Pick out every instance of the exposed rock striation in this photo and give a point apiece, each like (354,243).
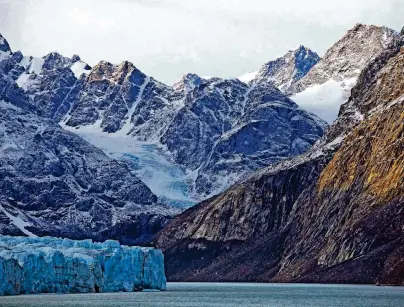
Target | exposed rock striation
(285,71)
(50,265)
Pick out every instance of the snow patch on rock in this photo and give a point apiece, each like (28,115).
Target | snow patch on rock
(246,78)
(79,68)
(324,100)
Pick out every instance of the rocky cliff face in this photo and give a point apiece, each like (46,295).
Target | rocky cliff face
(285,71)
(334,214)
(55,183)
(202,124)
(271,128)
(349,56)
(4,47)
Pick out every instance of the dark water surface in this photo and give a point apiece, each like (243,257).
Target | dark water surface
(226,294)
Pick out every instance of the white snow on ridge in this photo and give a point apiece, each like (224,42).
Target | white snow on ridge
(127,125)
(386,38)
(22,80)
(35,65)
(248,76)
(324,100)
(4,54)
(18,222)
(79,68)
(32,66)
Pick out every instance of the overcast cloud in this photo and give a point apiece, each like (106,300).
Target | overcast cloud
(169,38)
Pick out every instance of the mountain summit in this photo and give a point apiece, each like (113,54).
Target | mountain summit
(349,56)
(328,84)
(287,70)
(4,47)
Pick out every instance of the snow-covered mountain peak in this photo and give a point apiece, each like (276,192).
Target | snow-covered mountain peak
(217,130)
(4,46)
(114,73)
(349,56)
(285,71)
(188,82)
(328,84)
(5,50)
(55,60)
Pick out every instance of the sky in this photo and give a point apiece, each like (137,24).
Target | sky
(169,38)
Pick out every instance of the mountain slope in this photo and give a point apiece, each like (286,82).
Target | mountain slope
(334,214)
(349,56)
(55,183)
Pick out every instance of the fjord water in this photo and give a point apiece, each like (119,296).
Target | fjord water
(226,295)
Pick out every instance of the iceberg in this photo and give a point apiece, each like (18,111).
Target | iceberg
(53,265)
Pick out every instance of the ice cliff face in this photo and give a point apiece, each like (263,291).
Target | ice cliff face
(50,265)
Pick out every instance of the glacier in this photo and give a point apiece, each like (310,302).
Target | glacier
(165,178)
(53,265)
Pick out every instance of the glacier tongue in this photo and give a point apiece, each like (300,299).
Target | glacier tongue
(52,265)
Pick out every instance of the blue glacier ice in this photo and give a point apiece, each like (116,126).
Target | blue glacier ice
(52,265)
(165,178)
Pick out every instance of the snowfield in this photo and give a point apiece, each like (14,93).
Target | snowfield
(325,99)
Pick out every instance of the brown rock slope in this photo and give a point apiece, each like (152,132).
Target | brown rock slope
(334,214)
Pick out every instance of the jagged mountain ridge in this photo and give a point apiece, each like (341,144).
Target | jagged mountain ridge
(55,183)
(5,49)
(334,214)
(328,84)
(286,70)
(348,57)
(321,86)
(211,127)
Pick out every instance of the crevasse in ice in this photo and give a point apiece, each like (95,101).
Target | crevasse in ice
(51,265)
